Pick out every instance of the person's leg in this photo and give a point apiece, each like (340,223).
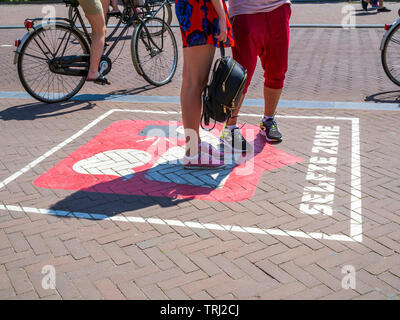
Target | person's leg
(271,98)
(275,63)
(245,52)
(106,6)
(197,63)
(98,35)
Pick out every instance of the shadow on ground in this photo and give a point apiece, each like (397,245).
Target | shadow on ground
(38,110)
(384,97)
(110,205)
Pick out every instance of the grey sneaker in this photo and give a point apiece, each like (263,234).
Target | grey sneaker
(269,129)
(234,140)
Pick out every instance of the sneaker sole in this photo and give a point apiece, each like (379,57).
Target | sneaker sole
(269,139)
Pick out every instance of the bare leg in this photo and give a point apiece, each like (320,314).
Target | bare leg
(271,98)
(197,63)
(106,5)
(98,35)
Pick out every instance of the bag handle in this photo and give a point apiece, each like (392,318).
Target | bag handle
(222,48)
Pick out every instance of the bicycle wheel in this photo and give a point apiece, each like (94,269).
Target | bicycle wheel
(37,53)
(154,55)
(390,55)
(168,12)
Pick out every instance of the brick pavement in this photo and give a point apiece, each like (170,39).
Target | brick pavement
(165,247)
(125,257)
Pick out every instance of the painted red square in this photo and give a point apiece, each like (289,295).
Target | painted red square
(125,135)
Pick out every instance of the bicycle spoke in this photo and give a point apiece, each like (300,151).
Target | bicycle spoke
(38,79)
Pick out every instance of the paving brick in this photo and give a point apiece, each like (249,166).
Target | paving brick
(325,277)
(202,295)
(108,290)
(383,264)
(267,252)
(391,279)
(338,259)
(199,245)
(154,293)
(181,260)
(56,262)
(7,294)
(342,295)
(4,280)
(20,281)
(56,246)
(283,291)
(231,286)
(311,294)
(4,242)
(87,289)
(159,258)
(38,244)
(373,295)
(131,291)
(223,247)
(300,274)
(176,294)
(290,254)
(66,288)
(228,267)
(204,284)
(275,271)
(182,280)
(156,278)
(137,256)
(76,249)
(116,253)
(18,242)
(95,251)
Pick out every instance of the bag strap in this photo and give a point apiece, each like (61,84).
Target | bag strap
(222,48)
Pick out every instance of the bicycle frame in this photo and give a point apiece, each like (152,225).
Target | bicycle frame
(64,64)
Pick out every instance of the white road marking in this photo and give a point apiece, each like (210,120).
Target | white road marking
(356,203)
(187,224)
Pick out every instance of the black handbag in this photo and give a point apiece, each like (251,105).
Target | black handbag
(222,94)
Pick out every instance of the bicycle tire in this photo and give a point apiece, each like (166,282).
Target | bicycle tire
(168,10)
(384,57)
(169,15)
(23,77)
(138,62)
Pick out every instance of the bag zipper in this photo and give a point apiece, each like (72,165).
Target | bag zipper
(241,85)
(230,71)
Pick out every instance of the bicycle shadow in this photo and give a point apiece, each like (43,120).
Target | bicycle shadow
(39,110)
(385,97)
(133,91)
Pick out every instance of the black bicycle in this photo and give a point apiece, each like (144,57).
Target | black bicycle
(53,57)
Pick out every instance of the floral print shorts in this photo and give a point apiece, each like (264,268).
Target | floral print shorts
(199,23)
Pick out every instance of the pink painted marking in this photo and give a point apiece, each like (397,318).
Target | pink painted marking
(124,135)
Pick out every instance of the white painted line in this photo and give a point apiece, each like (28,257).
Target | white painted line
(188,224)
(356,205)
(5,45)
(356,209)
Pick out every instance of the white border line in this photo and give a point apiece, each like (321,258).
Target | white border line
(355,211)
